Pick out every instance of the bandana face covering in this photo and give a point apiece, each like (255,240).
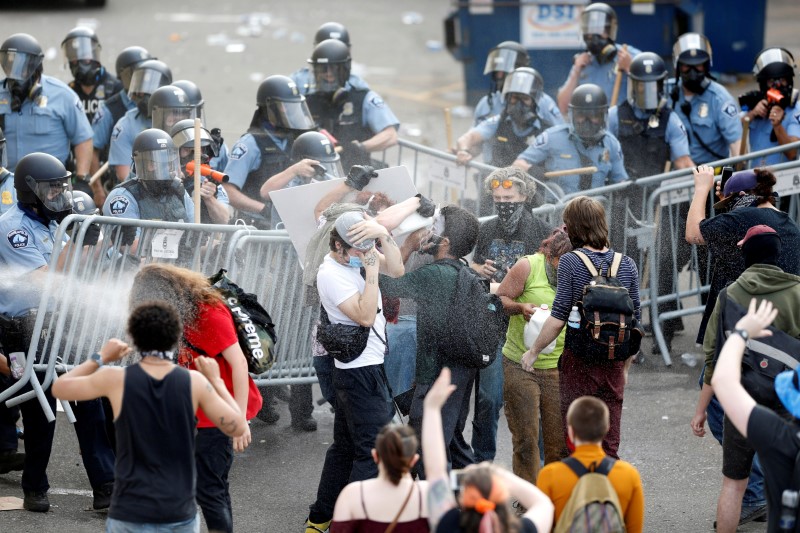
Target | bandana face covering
(509,213)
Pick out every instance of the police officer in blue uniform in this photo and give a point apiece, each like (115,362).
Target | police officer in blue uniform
(705,107)
(774,120)
(219,161)
(304,77)
(603,58)
(26,246)
(40,113)
(359,119)
(502,60)
(583,142)
(147,77)
(156,191)
(8,194)
(265,149)
(505,136)
(215,207)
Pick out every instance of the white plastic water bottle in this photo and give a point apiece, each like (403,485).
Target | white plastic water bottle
(574,320)
(16,360)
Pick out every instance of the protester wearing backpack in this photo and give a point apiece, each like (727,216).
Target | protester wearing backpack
(763,278)
(598,350)
(589,481)
(442,321)
(210,331)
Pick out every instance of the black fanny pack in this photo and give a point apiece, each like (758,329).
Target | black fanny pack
(343,342)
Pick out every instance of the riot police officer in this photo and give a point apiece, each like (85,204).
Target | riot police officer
(147,77)
(156,191)
(219,161)
(527,112)
(705,107)
(304,77)
(602,60)
(91,81)
(215,206)
(584,141)
(40,113)
(8,194)
(44,192)
(774,110)
(359,119)
(169,105)
(502,60)
(265,149)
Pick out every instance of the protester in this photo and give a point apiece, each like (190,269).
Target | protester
(586,225)
(372,505)
(587,425)
(486,489)
(154,402)
(530,395)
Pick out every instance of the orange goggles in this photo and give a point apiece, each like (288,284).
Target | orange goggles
(506,184)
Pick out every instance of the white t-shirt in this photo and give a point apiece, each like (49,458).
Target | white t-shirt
(336,283)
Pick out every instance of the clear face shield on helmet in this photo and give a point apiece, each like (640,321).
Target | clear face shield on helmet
(331,169)
(145,81)
(645,94)
(3,156)
(330,76)
(500,60)
(290,115)
(19,66)
(80,48)
(523,82)
(184,140)
(589,124)
(599,23)
(55,195)
(157,165)
(166,117)
(692,49)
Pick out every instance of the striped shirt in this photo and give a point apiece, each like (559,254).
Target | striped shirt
(573,277)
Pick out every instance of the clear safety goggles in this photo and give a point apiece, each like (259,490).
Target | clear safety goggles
(79,48)
(157,165)
(55,195)
(19,65)
(291,115)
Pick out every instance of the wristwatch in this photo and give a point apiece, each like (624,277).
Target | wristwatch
(743,334)
(97,358)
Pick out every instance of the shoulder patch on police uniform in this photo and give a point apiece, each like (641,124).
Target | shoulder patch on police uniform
(118,205)
(797,117)
(116,132)
(541,140)
(377,101)
(6,198)
(239,151)
(730,109)
(18,238)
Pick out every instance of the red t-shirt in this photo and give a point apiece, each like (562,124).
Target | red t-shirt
(212,332)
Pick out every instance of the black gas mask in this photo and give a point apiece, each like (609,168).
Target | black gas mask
(85,71)
(601,48)
(695,80)
(19,90)
(522,114)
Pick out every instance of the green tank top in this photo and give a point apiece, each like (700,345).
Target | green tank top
(537,291)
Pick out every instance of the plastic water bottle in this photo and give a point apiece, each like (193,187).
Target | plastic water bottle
(574,320)
(788,519)
(17,363)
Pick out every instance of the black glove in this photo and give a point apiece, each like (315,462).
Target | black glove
(127,235)
(92,235)
(426,207)
(359,176)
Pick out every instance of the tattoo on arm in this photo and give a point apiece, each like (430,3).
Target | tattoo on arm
(370,259)
(371,279)
(390,240)
(440,499)
(227,425)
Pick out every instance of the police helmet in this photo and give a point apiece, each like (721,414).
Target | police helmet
(3,157)
(195,96)
(315,145)
(331,63)
(167,105)
(774,63)
(588,112)
(21,57)
(282,105)
(83,204)
(524,80)
(182,134)
(82,52)
(155,156)
(42,181)
(147,77)
(332,30)
(646,80)
(692,49)
(127,61)
(505,57)
(599,19)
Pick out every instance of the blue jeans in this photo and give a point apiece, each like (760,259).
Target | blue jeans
(754,495)
(487,413)
(188,526)
(401,361)
(213,455)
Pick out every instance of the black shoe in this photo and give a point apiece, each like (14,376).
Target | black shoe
(268,414)
(102,497)
(36,502)
(753,514)
(305,424)
(11,460)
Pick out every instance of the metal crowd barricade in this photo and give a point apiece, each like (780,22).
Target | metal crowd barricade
(84,296)
(280,290)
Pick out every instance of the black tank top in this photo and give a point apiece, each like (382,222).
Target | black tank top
(155,472)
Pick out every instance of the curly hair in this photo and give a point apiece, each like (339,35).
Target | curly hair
(765,181)
(557,244)
(525,183)
(155,325)
(181,287)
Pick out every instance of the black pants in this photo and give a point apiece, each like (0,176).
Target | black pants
(213,459)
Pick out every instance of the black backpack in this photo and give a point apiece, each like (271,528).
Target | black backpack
(608,328)
(475,323)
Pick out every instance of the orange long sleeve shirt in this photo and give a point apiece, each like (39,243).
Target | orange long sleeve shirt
(557,481)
